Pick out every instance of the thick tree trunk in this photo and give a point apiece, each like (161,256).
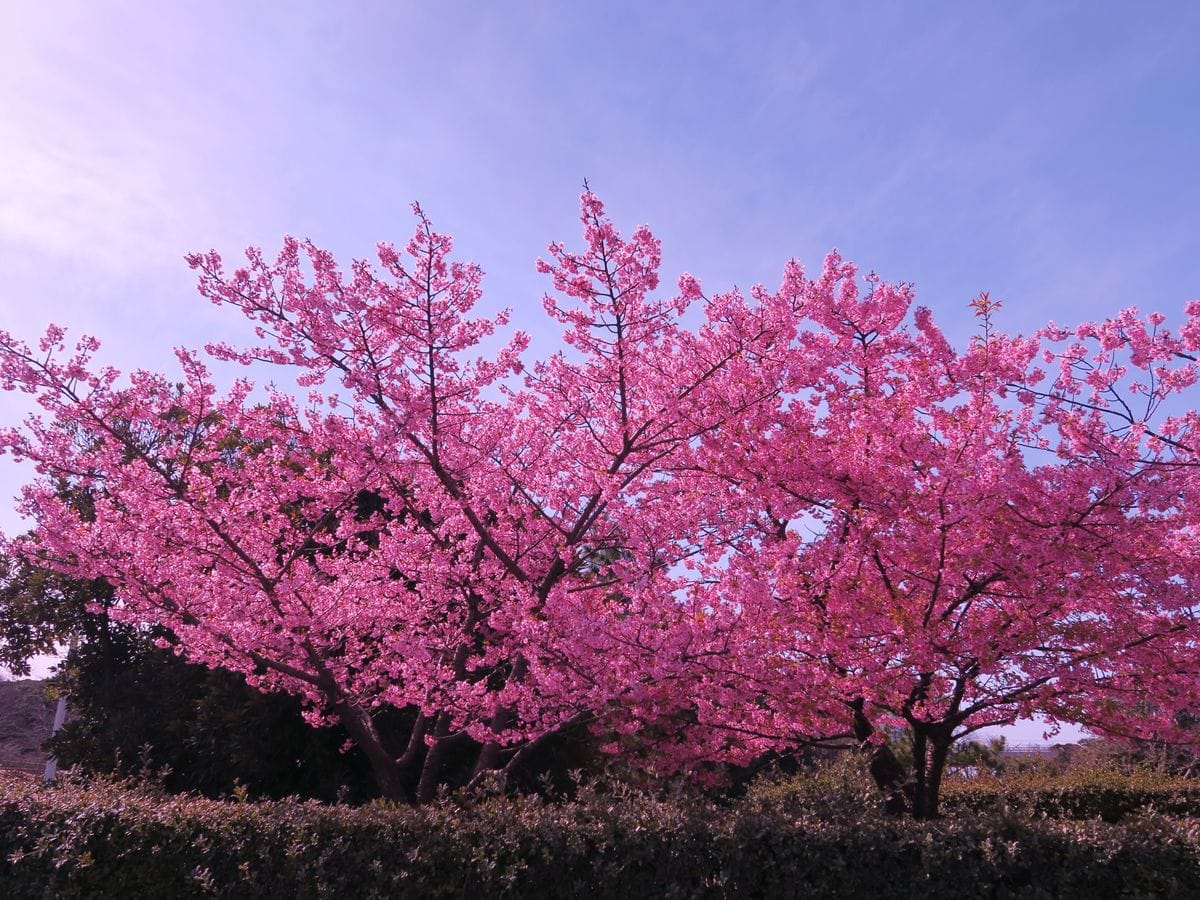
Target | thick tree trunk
(930,766)
(489,755)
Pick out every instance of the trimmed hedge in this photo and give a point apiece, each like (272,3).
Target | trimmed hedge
(108,840)
(1083,794)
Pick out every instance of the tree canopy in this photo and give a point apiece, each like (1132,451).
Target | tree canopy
(714,526)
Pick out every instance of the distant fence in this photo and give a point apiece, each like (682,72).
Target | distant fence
(1036,749)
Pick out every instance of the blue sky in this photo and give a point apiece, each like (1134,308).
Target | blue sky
(1046,152)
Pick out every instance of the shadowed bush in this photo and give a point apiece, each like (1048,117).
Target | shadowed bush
(108,839)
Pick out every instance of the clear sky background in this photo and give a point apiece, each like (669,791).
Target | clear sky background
(1046,152)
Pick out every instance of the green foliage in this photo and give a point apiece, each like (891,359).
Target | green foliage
(1077,794)
(41,610)
(977,756)
(842,788)
(1128,756)
(973,755)
(105,839)
(138,709)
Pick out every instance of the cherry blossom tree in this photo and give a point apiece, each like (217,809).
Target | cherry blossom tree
(432,531)
(953,540)
(806,517)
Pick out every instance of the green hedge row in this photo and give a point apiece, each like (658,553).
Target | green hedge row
(1086,794)
(104,840)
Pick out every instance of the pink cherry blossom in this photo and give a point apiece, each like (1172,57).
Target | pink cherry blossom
(806,517)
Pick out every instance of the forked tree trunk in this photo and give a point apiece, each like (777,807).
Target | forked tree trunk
(435,758)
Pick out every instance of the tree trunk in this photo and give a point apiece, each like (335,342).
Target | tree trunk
(920,748)
(931,765)
(889,775)
(366,736)
(50,773)
(435,757)
(502,718)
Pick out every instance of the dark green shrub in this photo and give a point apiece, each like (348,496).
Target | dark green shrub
(107,840)
(137,708)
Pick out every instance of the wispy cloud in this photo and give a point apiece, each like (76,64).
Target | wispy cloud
(1043,152)
(94,147)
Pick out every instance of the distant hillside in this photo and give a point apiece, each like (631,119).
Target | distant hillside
(26,717)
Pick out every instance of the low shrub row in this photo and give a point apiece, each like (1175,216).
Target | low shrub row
(109,840)
(1084,794)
